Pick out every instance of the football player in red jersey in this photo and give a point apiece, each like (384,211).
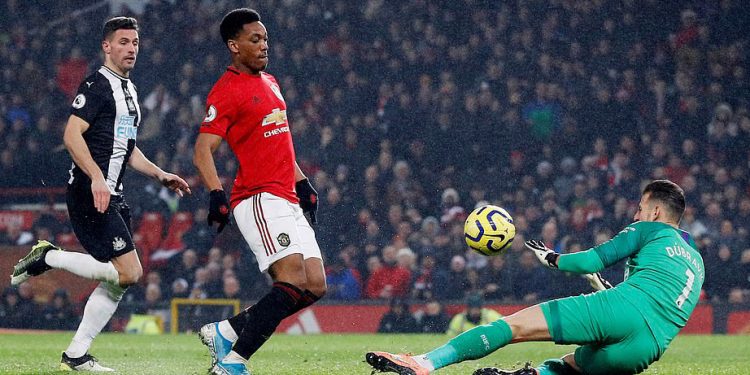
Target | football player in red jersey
(270,194)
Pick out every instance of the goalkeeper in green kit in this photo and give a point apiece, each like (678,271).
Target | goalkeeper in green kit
(621,330)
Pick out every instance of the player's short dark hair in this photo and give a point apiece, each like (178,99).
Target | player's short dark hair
(670,194)
(233,22)
(118,23)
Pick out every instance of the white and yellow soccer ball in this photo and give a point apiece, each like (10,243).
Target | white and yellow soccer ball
(489,230)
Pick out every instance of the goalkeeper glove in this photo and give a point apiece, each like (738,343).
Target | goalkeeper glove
(597,281)
(308,198)
(218,209)
(545,255)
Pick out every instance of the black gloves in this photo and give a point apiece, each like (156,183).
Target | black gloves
(218,209)
(308,198)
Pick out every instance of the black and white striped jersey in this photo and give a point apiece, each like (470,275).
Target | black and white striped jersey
(109,103)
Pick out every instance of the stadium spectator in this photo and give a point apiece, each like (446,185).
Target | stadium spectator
(70,72)
(228,265)
(26,307)
(433,318)
(214,254)
(15,235)
(59,313)
(180,288)
(212,283)
(474,315)
(343,282)
(10,311)
(424,278)
(398,319)
(231,288)
(726,273)
(153,300)
(453,283)
(497,280)
(199,237)
(389,280)
(183,266)
(48,219)
(529,283)
(406,259)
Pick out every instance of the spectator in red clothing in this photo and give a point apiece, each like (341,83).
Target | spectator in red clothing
(675,170)
(390,280)
(423,280)
(689,30)
(71,72)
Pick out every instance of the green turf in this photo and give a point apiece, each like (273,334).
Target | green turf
(335,354)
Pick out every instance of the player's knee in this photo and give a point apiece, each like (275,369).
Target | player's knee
(318,289)
(131,276)
(298,280)
(289,272)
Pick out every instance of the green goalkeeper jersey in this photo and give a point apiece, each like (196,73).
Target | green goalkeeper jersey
(663,276)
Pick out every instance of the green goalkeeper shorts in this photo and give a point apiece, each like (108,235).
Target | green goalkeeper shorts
(614,335)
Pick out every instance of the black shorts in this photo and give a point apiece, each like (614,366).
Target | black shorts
(103,235)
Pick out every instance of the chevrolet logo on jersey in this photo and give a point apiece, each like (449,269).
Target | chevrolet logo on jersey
(276,117)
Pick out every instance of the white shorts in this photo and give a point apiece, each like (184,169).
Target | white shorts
(275,228)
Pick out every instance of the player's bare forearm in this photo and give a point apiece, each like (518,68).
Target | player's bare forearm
(79,151)
(140,163)
(203,159)
(298,174)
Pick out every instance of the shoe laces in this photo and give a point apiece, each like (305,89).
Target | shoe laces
(90,359)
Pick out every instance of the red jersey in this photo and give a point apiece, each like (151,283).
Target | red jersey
(249,112)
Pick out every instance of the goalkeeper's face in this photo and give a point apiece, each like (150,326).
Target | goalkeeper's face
(647,210)
(121,49)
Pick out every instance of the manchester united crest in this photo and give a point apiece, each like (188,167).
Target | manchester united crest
(283,239)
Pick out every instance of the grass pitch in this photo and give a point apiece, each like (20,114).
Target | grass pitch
(33,353)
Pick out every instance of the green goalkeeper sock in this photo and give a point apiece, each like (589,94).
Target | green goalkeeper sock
(472,344)
(556,367)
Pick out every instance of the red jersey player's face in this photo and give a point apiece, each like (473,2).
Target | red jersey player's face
(121,50)
(251,48)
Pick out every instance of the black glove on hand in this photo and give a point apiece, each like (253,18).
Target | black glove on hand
(543,253)
(308,198)
(218,209)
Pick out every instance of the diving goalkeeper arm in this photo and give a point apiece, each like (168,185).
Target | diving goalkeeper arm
(587,263)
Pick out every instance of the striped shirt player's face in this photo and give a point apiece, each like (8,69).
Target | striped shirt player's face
(121,50)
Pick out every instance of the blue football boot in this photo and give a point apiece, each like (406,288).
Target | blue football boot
(218,346)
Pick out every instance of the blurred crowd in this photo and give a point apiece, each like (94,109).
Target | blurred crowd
(408,114)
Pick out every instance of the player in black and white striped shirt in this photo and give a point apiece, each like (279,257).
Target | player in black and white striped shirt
(101,138)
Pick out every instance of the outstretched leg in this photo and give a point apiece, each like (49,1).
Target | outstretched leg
(45,256)
(526,325)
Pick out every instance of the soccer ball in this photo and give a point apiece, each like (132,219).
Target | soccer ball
(489,230)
